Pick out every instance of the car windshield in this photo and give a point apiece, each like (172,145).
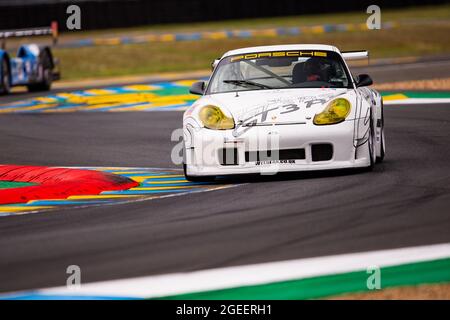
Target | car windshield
(280,70)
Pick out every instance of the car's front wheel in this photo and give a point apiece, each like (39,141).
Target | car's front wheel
(5,81)
(382,146)
(371,141)
(45,70)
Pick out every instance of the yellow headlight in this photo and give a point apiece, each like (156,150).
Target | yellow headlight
(213,118)
(336,111)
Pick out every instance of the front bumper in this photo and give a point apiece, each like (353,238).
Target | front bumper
(204,155)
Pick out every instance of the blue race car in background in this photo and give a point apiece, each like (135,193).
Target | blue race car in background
(34,66)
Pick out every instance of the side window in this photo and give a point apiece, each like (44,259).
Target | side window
(229,71)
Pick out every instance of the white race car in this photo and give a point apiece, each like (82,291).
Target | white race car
(282,108)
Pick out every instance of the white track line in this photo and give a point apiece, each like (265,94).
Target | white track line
(417,101)
(408,65)
(232,277)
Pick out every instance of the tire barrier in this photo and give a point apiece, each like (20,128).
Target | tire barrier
(221,34)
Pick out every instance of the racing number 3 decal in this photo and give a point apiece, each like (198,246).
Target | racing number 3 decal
(290,108)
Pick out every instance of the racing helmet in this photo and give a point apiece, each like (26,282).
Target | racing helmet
(315,66)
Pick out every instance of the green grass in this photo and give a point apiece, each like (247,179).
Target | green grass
(422,31)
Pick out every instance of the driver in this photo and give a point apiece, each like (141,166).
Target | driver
(314,70)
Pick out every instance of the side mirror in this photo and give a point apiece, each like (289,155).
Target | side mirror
(197,88)
(364,80)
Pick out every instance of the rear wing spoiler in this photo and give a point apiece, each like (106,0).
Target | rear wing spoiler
(355,55)
(41,31)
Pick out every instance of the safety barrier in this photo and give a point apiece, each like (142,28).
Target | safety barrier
(222,34)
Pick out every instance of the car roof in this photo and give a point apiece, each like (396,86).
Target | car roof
(282,47)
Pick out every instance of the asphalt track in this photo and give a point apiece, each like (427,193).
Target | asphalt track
(403,202)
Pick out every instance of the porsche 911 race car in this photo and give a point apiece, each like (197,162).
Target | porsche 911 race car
(282,108)
(34,66)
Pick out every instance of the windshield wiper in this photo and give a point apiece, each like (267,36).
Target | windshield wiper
(246,83)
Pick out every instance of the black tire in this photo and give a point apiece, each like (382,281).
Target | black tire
(5,79)
(371,144)
(382,142)
(45,66)
(197,178)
